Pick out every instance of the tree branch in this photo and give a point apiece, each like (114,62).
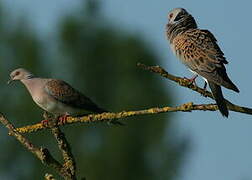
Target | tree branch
(69,163)
(188,107)
(49,177)
(67,170)
(68,159)
(186,83)
(42,154)
(110,117)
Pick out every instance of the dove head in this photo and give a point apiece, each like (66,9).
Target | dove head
(177,15)
(20,74)
(179,20)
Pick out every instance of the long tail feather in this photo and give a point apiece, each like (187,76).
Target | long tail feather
(218,96)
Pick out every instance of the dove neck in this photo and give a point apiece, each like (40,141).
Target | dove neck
(172,30)
(30,76)
(29,84)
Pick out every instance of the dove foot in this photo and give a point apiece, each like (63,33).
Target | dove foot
(45,122)
(63,119)
(192,80)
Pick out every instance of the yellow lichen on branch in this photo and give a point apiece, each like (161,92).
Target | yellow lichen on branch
(69,164)
(42,154)
(113,117)
(67,169)
(188,84)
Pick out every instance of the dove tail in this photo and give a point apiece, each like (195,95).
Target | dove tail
(218,96)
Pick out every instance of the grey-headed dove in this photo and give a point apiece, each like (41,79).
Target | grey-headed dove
(55,96)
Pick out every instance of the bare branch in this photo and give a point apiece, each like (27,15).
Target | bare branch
(109,117)
(49,177)
(188,107)
(69,163)
(186,83)
(42,154)
(67,170)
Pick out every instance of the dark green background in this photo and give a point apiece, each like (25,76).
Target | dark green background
(99,59)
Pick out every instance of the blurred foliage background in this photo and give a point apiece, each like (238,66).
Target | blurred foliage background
(99,59)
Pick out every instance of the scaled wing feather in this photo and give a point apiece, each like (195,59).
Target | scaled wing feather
(66,94)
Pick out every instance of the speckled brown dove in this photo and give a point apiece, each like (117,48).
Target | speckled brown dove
(199,51)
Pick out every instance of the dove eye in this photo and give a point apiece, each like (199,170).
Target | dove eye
(171,15)
(17,73)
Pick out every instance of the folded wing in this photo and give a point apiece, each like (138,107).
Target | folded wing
(64,93)
(202,55)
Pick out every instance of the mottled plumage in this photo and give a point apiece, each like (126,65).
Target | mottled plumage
(64,93)
(55,96)
(199,51)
